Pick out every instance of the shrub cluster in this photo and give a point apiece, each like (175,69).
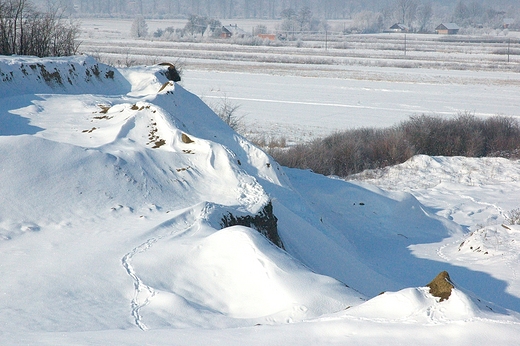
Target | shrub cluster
(26,31)
(356,150)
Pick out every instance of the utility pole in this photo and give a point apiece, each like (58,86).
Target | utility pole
(326,39)
(508,47)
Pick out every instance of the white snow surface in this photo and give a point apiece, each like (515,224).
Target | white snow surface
(113,185)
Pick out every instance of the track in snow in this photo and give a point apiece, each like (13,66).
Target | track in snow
(143,293)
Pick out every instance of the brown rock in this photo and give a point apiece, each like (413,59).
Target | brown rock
(441,286)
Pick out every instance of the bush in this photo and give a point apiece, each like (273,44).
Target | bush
(227,111)
(353,151)
(26,31)
(513,217)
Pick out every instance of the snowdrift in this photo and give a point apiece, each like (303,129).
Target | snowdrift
(135,182)
(115,188)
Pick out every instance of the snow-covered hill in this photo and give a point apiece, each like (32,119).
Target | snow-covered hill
(117,191)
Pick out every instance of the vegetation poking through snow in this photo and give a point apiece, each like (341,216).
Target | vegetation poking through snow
(513,217)
(228,112)
(264,222)
(353,151)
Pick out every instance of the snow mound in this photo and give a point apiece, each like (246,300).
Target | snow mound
(490,242)
(231,277)
(419,305)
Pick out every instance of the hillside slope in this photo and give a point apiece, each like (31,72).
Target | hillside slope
(114,188)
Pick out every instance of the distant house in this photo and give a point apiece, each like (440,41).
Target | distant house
(447,29)
(398,27)
(270,37)
(232,31)
(225,33)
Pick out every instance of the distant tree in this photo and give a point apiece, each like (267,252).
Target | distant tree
(461,11)
(139,27)
(424,16)
(288,13)
(289,22)
(260,29)
(215,27)
(406,11)
(476,14)
(304,19)
(196,24)
(368,22)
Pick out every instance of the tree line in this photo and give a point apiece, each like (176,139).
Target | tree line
(403,11)
(25,30)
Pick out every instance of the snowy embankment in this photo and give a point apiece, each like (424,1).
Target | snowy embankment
(116,186)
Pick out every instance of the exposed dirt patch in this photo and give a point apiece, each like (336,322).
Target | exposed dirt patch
(89,131)
(104,109)
(183,169)
(49,77)
(159,143)
(441,286)
(186,139)
(154,138)
(264,222)
(172,73)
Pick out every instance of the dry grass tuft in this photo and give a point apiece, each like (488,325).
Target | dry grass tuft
(104,108)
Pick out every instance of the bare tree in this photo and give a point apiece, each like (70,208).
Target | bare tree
(424,15)
(406,11)
(197,24)
(26,31)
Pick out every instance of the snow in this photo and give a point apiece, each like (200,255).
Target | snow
(113,189)
(308,106)
(476,193)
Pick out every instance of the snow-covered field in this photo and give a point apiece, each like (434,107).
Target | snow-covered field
(301,108)
(303,93)
(114,186)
